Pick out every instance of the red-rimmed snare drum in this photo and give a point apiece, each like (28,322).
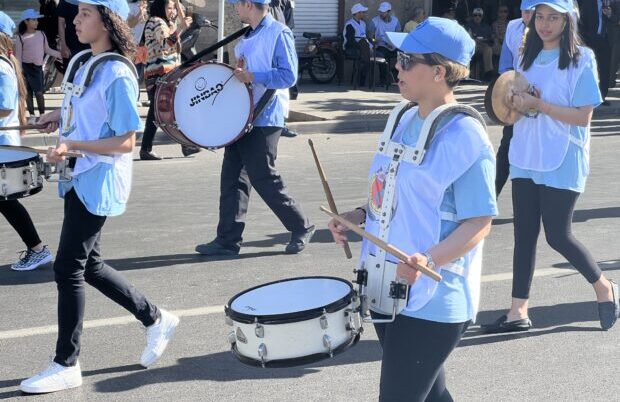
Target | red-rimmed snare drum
(293,321)
(204,105)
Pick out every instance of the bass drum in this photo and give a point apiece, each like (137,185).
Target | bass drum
(204,105)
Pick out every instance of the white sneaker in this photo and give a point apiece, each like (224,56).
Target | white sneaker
(157,337)
(32,259)
(54,378)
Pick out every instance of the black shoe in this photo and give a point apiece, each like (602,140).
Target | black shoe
(606,103)
(187,150)
(501,326)
(215,248)
(299,241)
(149,155)
(609,312)
(287,132)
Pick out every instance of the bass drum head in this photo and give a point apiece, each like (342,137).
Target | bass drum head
(290,300)
(212,107)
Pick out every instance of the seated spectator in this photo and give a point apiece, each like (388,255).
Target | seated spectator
(356,44)
(481,33)
(419,15)
(498,29)
(382,23)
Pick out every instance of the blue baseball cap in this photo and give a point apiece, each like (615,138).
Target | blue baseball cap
(7,25)
(120,7)
(527,5)
(29,14)
(437,35)
(562,6)
(253,1)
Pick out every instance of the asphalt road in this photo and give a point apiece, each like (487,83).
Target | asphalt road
(174,206)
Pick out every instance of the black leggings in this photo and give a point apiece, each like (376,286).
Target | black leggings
(149,127)
(20,220)
(502,166)
(414,352)
(78,260)
(530,203)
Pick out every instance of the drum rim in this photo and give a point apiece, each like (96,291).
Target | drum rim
(287,318)
(295,361)
(21,162)
(22,194)
(488,104)
(192,67)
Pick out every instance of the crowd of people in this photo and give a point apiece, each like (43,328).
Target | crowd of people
(444,181)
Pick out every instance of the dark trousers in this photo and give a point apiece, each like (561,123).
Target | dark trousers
(20,220)
(530,203)
(149,127)
(78,260)
(388,67)
(602,51)
(414,352)
(250,162)
(502,164)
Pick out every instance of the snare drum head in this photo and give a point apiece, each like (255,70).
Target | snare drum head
(291,297)
(18,156)
(211,107)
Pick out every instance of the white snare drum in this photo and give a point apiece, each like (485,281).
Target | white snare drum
(294,321)
(203,105)
(20,172)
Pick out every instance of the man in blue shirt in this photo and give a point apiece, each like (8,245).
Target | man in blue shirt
(266,58)
(481,32)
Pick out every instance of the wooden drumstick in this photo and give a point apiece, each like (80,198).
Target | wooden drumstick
(67,154)
(24,127)
(401,255)
(328,193)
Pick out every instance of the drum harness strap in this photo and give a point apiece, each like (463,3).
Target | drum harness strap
(414,155)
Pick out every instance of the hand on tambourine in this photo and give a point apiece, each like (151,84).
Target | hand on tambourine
(241,73)
(407,272)
(523,101)
(57,154)
(49,121)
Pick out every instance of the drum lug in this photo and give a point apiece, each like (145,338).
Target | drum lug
(262,353)
(3,172)
(228,321)
(232,338)
(5,190)
(323,320)
(241,336)
(259,331)
(327,342)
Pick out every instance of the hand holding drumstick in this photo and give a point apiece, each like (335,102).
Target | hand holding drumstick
(241,73)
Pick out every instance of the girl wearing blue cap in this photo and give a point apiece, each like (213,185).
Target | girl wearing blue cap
(439,210)
(12,113)
(101,122)
(549,157)
(30,48)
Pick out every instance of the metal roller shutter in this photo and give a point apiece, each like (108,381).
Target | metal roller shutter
(315,16)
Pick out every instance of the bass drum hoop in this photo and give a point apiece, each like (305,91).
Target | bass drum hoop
(287,318)
(170,84)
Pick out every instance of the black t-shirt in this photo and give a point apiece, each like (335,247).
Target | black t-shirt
(68,11)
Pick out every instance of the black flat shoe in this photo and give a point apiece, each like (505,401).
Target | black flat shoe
(287,132)
(187,150)
(501,326)
(149,156)
(214,248)
(609,312)
(299,241)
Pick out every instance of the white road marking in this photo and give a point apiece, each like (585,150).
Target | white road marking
(208,310)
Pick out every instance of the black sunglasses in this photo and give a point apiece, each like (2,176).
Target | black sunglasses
(407,61)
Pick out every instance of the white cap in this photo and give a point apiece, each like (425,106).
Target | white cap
(358,8)
(385,7)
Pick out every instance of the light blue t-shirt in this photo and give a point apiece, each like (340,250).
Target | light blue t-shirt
(9,100)
(98,195)
(471,196)
(573,172)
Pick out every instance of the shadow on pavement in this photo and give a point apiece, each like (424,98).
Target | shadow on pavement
(223,366)
(545,319)
(582,215)
(320,236)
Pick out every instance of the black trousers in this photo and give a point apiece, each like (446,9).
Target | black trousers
(149,127)
(385,69)
(602,52)
(502,165)
(78,260)
(530,203)
(414,352)
(20,220)
(250,162)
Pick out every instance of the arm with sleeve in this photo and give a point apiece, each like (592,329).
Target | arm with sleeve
(283,73)
(8,91)
(506,58)
(123,115)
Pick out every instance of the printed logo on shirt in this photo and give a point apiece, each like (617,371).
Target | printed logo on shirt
(376,193)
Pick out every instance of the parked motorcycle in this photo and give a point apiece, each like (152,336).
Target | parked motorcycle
(51,68)
(320,57)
